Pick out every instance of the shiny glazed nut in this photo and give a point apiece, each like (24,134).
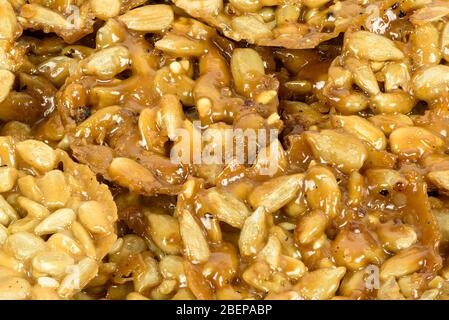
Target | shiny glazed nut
(275,193)
(370,46)
(45,241)
(431,82)
(226,207)
(254,232)
(37,154)
(322,190)
(414,142)
(362,129)
(340,149)
(149,18)
(195,243)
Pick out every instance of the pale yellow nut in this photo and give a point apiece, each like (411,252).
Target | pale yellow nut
(136,296)
(172,267)
(27,224)
(55,189)
(288,13)
(371,46)
(431,294)
(128,173)
(315,3)
(362,75)
(293,267)
(267,14)
(390,290)
(204,106)
(7,152)
(57,221)
(14,288)
(37,154)
(29,187)
(78,278)
(246,64)
(149,276)
(431,82)
(84,238)
(390,122)
(24,245)
(356,188)
(414,142)
(7,212)
(12,264)
(426,14)
(164,231)
(311,227)
(404,263)
(322,191)
(98,123)
(63,64)
(200,8)
(266,97)
(52,263)
(343,150)
(379,180)
(362,129)
(320,284)
(180,46)
(6,83)
(445,41)
(247,5)
(276,193)
(65,243)
(250,28)
(175,67)
(271,252)
(94,217)
(37,14)
(105,9)
(425,44)
(353,282)
(340,77)
(349,102)
(3,234)
(9,27)
(377,65)
(130,244)
(226,207)
(440,179)
(260,276)
(33,209)
(108,62)
(195,243)
(39,292)
(172,115)
(355,248)
(392,103)
(396,237)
